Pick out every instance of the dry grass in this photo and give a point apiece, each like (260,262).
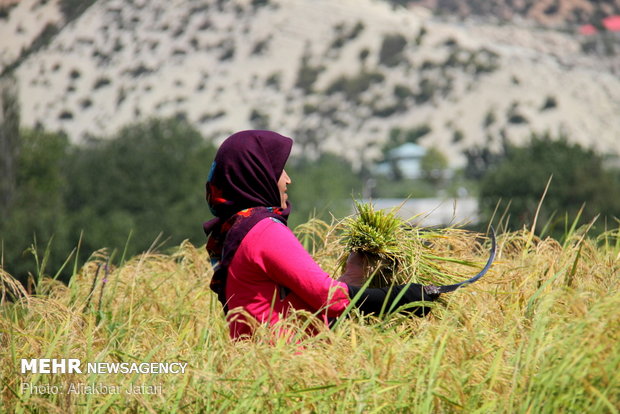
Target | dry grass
(540,333)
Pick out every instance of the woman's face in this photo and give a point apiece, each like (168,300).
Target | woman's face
(282,183)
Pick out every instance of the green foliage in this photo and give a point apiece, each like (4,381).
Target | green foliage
(146,180)
(426,92)
(344,34)
(434,165)
(515,116)
(44,38)
(388,110)
(41,41)
(259,119)
(578,178)
(352,87)
(399,3)
(392,47)
(228,50)
(458,136)
(363,55)
(72,9)
(389,187)
(101,82)
(375,235)
(38,212)
(259,3)
(9,142)
(260,47)
(274,80)
(550,103)
(307,74)
(321,187)
(420,37)
(484,61)
(479,160)
(5,10)
(402,92)
(473,61)
(489,118)
(400,136)
(373,232)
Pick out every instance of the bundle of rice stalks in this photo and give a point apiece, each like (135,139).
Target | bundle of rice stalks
(374,232)
(376,235)
(399,253)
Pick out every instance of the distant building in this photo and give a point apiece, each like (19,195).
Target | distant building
(403,161)
(427,212)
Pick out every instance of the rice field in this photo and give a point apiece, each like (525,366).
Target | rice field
(540,333)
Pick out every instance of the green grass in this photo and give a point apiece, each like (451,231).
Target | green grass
(539,334)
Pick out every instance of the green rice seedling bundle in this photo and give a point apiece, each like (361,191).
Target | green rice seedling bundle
(378,236)
(399,253)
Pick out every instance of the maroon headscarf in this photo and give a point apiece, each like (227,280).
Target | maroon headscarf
(242,189)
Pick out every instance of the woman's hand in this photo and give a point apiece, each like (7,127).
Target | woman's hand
(355,269)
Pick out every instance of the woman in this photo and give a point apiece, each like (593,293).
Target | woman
(259,265)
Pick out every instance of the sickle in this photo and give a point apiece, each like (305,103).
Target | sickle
(432,290)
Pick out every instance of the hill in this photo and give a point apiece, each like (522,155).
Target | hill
(337,76)
(557,13)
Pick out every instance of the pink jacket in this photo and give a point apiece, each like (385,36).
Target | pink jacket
(272,267)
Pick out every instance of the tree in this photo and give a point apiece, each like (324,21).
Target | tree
(320,187)
(579,178)
(434,165)
(9,144)
(37,211)
(392,47)
(147,179)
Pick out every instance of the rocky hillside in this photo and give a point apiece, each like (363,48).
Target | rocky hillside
(547,12)
(22,23)
(342,76)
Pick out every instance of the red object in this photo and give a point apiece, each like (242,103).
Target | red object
(245,213)
(612,23)
(215,196)
(587,30)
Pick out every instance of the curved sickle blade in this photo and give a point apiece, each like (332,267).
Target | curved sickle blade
(452,288)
